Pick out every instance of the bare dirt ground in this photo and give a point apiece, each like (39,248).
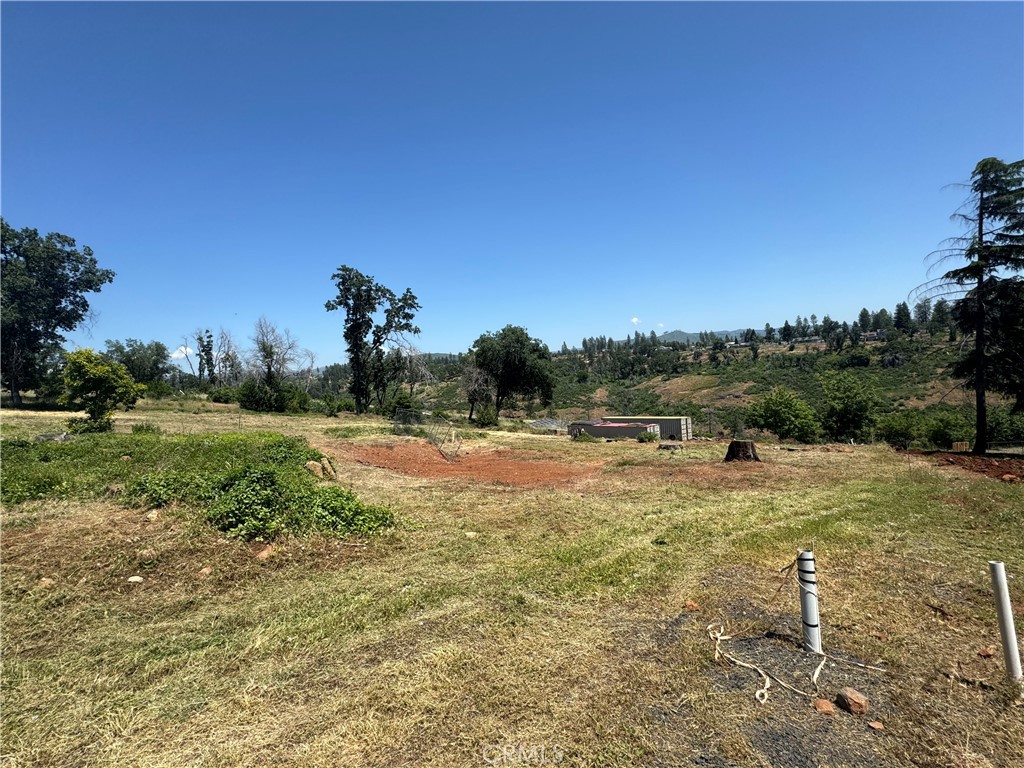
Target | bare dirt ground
(524,469)
(1006,468)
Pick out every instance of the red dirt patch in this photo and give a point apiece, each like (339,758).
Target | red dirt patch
(997,468)
(520,468)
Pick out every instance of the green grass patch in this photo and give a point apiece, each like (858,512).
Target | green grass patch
(250,485)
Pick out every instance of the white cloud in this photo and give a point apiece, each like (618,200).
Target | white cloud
(181,352)
(635,321)
(661,325)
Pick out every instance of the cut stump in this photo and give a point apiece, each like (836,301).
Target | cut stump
(742,450)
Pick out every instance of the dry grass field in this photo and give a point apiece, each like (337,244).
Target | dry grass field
(539,602)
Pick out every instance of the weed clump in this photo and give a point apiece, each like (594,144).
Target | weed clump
(250,485)
(585,437)
(261,503)
(648,437)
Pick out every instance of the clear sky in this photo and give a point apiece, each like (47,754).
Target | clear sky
(575,168)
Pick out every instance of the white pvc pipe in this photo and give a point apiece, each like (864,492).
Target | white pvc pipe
(1011,657)
(807,577)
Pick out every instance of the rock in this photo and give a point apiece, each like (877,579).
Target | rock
(148,554)
(471,534)
(328,469)
(987,653)
(126,457)
(135,579)
(1008,478)
(205,573)
(265,553)
(46,583)
(691,606)
(668,447)
(58,437)
(853,701)
(152,516)
(823,707)
(315,467)
(876,725)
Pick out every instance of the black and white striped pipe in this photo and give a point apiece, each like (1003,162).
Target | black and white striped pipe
(807,577)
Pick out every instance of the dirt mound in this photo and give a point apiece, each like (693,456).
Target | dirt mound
(999,468)
(525,469)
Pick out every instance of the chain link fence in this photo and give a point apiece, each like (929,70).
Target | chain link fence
(436,429)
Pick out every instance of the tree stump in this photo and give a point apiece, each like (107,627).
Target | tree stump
(742,450)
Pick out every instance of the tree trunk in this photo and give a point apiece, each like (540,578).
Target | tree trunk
(742,450)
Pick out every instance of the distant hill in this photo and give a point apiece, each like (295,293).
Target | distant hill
(686,337)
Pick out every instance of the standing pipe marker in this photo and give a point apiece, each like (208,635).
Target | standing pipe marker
(807,578)
(1011,656)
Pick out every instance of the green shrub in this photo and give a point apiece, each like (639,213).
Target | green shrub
(146,428)
(224,395)
(262,503)
(648,437)
(259,396)
(97,386)
(944,429)
(296,400)
(158,390)
(585,437)
(487,417)
(901,428)
(79,426)
(326,406)
(783,413)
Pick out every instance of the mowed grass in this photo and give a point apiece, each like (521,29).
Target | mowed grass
(570,617)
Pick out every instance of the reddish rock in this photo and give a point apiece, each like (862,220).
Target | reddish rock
(853,701)
(876,725)
(1008,478)
(823,707)
(205,573)
(266,552)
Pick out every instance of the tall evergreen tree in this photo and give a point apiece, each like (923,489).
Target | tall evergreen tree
(992,246)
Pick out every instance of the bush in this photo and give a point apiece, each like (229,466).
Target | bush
(901,428)
(158,390)
(944,429)
(296,400)
(97,386)
(146,428)
(648,437)
(585,437)
(262,503)
(325,406)
(259,396)
(783,413)
(78,426)
(224,394)
(487,417)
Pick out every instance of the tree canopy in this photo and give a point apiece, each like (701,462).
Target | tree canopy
(45,280)
(516,363)
(992,246)
(362,299)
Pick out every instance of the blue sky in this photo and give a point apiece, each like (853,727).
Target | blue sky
(575,168)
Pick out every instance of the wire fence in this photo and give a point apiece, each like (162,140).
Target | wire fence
(1014,448)
(436,429)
